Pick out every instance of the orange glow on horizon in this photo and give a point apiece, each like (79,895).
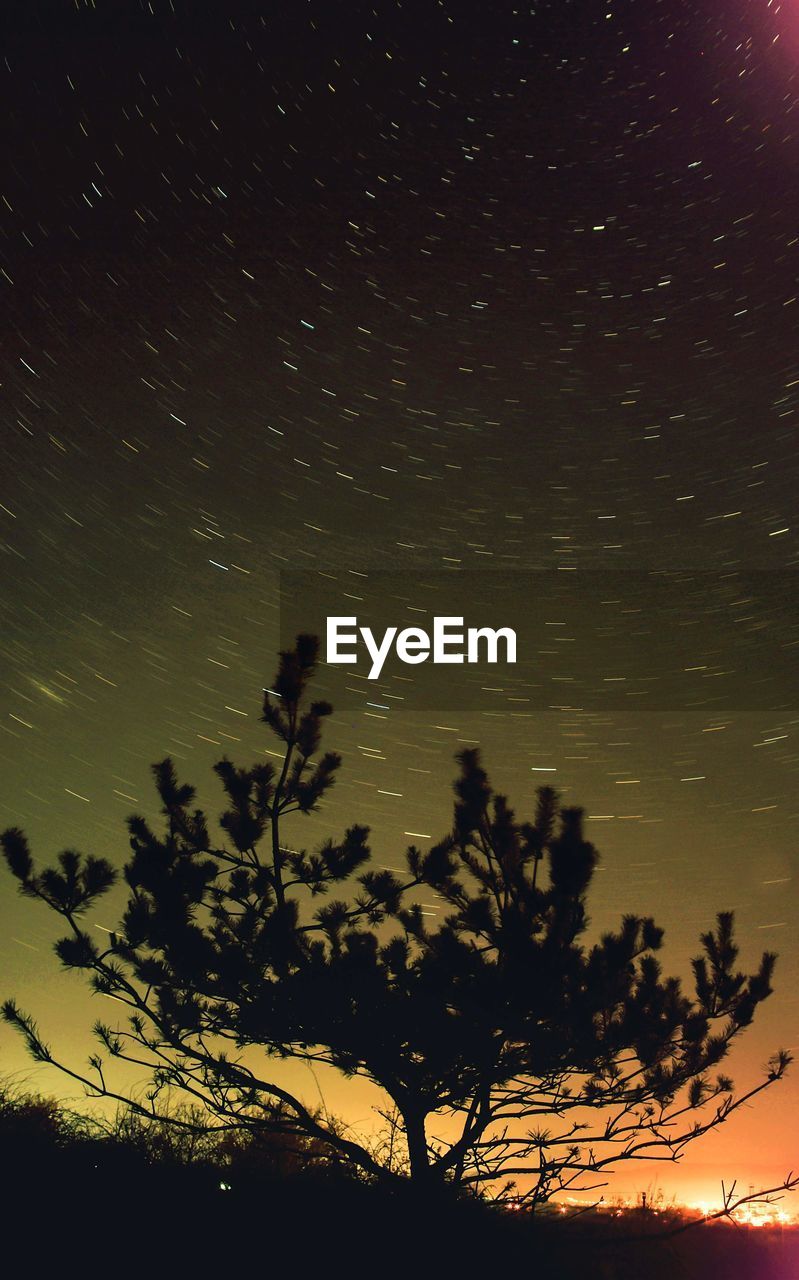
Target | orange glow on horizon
(765,1213)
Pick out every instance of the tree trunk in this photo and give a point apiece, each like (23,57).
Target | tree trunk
(417,1145)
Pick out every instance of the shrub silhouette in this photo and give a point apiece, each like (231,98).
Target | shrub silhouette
(508,1049)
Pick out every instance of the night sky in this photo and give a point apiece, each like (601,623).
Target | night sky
(386,293)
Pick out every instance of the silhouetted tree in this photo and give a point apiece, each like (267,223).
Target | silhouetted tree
(591,1055)
(530,1053)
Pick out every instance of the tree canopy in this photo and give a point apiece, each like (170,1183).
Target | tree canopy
(509,1048)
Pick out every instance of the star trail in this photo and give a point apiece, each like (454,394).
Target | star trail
(371,296)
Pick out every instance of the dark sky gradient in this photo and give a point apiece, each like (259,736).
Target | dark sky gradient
(353,288)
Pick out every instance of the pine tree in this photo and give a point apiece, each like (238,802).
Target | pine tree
(507,1047)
